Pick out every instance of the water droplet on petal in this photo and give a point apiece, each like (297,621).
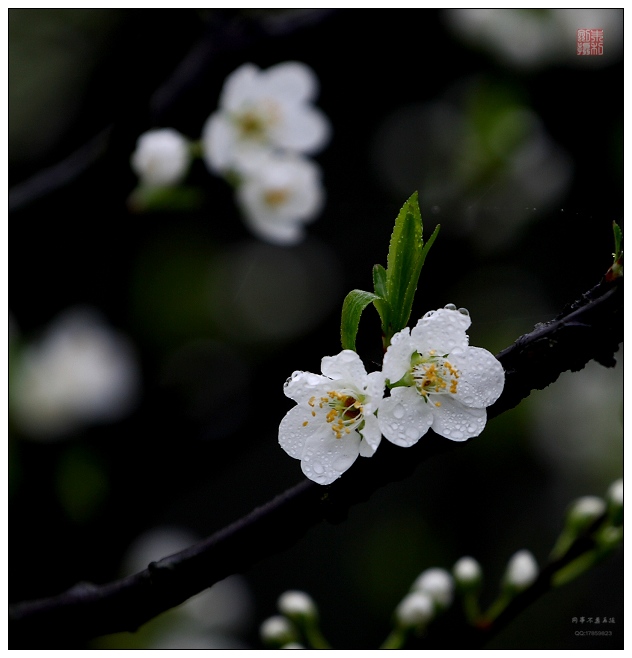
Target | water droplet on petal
(398,411)
(450,307)
(318,468)
(464,311)
(428,314)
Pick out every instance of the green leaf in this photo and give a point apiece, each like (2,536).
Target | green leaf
(355,302)
(382,306)
(406,257)
(379,280)
(618,240)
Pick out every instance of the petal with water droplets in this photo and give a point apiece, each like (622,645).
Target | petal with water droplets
(455,422)
(404,417)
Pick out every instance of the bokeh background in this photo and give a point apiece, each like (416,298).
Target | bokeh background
(515,145)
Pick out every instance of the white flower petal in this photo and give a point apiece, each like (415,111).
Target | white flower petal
(371,435)
(347,366)
(326,458)
(291,80)
(239,87)
(305,129)
(482,377)
(279,233)
(374,391)
(218,139)
(293,433)
(454,421)
(404,417)
(397,357)
(442,330)
(301,386)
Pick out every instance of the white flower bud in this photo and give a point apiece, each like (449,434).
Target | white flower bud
(438,584)
(615,492)
(277,631)
(584,511)
(614,497)
(161,157)
(522,570)
(415,609)
(467,572)
(294,603)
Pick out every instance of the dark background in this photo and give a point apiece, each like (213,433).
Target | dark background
(200,449)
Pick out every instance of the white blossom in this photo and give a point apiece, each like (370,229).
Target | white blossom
(279,196)
(79,372)
(161,158)
(333,421)
(442,382)
(263,110)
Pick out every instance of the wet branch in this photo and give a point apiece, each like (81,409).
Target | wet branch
(590,328)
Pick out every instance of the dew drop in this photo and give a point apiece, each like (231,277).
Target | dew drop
(398,411)
(318,468)
(464,311)
(450,307)
(428,314)
(447,432)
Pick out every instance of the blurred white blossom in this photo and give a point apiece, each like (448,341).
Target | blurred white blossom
(280,194)
(161,158)
(263,110)
(79,372)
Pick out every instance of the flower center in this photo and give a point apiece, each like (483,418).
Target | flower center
(251,125)
(433,374)
(256,122)
(346,412)
(276,196)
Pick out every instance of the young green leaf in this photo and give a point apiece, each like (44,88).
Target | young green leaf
(382,306)
(355,302)
(406,257)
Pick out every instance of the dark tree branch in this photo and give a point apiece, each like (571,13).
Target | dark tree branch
(590,328)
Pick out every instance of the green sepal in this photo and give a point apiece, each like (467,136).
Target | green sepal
(355,302)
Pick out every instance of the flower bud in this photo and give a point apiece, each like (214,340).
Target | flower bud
(438,584)
(277,631)
(522,570)
(297,605)
(161,157)
(415,610)
(614,496)
(583,512)
(467,573)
